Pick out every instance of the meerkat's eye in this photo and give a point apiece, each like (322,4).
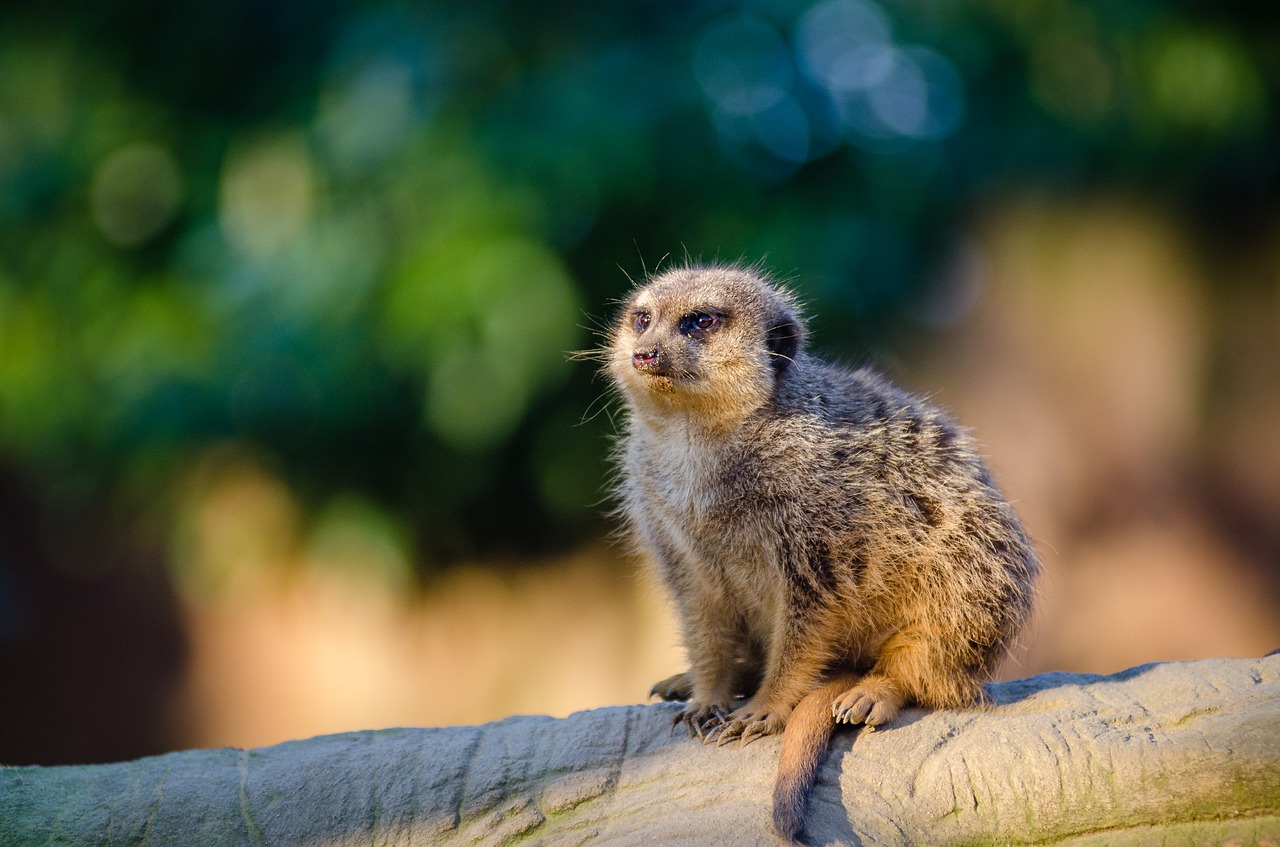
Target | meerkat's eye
(641,321)
(699,322)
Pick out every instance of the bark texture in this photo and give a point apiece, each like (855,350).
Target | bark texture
(1176,753)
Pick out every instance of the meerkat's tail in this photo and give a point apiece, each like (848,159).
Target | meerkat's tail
(804,740)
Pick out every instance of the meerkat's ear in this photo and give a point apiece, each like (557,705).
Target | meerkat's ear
(783,340)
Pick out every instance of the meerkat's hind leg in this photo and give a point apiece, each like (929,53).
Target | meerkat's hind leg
(910,667)
(676,687)
(770,707)
(680,686)
(873,701)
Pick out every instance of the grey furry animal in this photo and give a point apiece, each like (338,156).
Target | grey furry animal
(834,546)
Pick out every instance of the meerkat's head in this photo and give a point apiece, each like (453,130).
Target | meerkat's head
(709,342)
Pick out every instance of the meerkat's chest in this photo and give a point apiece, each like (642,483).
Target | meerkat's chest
(709,500)
(692,482)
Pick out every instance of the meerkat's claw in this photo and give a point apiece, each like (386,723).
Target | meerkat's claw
(712,726)
(853,713)
(871,703)
(701,721)
(747,729)
(759,729)
(729,732)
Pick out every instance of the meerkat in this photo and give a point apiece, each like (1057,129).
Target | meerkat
(834,546)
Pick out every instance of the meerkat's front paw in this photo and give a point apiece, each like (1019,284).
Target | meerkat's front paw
(678,687)
(871,702)
(702,719)
(748,723)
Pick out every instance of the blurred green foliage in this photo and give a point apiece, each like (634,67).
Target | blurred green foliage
(362,237)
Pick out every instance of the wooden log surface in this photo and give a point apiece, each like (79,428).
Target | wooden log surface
(1172,753)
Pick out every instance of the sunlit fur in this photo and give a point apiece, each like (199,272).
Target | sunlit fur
(815,526)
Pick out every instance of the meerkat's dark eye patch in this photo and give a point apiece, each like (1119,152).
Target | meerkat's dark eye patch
(641,320)
(699,322)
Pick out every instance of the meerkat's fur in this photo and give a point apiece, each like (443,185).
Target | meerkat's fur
(834,546)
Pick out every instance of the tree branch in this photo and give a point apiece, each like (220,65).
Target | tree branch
(1165,753)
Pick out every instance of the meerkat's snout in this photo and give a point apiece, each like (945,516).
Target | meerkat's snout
(646,360)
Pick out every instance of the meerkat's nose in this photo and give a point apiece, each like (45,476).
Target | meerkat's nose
(645,359)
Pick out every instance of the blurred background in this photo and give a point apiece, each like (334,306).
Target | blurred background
(290,438)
